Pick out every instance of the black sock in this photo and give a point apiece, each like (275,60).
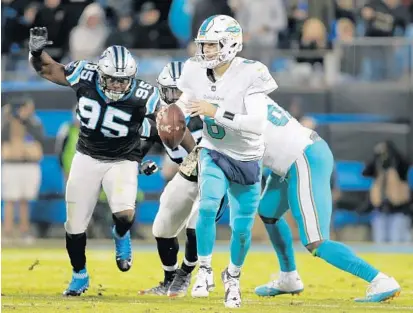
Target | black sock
(191,254)
(123,223)
(168,252)
(76,246)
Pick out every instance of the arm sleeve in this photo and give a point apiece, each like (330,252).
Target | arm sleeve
(252,122)
(72,72)
(153,102)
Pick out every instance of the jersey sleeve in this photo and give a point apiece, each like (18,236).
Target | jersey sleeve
(262,81)
(154,101)
(148,129)
(184,81)
(72,72)
(252,122)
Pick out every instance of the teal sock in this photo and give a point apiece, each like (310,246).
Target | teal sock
(282,241)
(342,257)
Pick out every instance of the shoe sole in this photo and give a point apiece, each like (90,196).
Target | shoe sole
(388,297)
(76,294)
(176,295)
(293,293)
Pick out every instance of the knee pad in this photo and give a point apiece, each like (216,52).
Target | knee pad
(208,208)
(242,226)
(268,220)
(73,227)
(163,228)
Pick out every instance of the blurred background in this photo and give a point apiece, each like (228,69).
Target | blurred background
(344,67)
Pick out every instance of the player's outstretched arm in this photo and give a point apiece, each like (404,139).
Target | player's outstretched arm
(42,62)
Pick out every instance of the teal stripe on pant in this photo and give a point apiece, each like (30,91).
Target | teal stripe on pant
(309,192)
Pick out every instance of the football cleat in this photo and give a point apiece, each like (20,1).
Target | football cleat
(180,284)
(382,288)
(285,284)
(123,251)
(232,290)
(159,290)
(78,285)
(204,282)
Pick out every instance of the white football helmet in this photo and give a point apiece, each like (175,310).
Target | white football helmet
(167,82)
(117,71)
(224,31)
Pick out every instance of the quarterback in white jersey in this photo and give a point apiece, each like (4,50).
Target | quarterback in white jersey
(229,93)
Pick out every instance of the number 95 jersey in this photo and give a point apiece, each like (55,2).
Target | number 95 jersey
(110,130)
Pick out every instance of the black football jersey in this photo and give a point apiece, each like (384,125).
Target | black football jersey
(110,130)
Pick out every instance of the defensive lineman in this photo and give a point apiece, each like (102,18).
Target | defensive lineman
(230,94)
(112,105)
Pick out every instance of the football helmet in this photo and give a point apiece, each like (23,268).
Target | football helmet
(167,82)
(226,32)
(117,71)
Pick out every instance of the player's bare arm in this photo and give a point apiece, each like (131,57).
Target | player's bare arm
(42,62)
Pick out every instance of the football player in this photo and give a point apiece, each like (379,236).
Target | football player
(178,204)
(229,93)
(112,104)
(301,164)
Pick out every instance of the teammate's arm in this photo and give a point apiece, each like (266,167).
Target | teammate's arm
(42,62)
(252,122)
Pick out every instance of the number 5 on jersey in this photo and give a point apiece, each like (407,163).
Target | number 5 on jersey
(89,114)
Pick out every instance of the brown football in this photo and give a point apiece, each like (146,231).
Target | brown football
(171,125)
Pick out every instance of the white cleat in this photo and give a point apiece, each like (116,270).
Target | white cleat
(381,288)
(204,283)
(232,290)
(287,283)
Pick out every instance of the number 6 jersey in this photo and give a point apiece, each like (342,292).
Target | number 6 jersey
(110,130)
(230,92)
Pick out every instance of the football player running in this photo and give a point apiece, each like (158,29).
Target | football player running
(229,93)
(178,202)
(301,164)
(112,104)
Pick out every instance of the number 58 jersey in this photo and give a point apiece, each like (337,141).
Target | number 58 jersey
(110,130)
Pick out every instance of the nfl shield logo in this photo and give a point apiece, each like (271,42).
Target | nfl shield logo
(213,88)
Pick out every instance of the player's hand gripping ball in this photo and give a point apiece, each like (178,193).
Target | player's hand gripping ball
(170,122)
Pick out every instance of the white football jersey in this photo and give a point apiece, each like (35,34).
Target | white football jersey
(285,140)
(243,78)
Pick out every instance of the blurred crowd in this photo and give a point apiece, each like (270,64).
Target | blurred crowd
(82,28)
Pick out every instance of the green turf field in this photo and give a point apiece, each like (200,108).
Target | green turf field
(38,288)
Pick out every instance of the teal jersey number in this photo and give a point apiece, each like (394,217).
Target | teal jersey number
(277,115)
(215,131)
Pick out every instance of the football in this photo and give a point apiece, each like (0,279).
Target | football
(171,125)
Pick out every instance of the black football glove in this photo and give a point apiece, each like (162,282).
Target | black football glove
(148,168)
(38,40)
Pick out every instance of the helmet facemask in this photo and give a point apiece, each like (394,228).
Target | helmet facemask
(225,53)
(169,94)
(115,87)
